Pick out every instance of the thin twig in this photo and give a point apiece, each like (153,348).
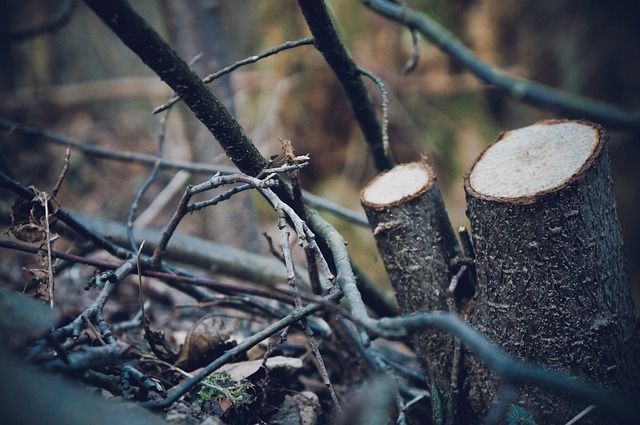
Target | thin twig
(466,243)
(242,347)
(144,320)
(184,207)
(300,209)
(251,59)
(456,363)
(413,61)
(63,173)
(305,236)
(94,311)
(581,415)
(288,261)
(90,149)
(323,368)
(276,294)
(327,40)
(167,195)
(154,170)
(291,279)
(44,199)
(148,182)
(191,250)
(385,108)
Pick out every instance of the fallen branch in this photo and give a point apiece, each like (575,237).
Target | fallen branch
(253,340)
(512,371)
(90,149)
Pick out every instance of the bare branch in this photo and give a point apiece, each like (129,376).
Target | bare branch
(412,63)
(291,279)
(253,340)
(110,279)
(510,370)
(385,108)
(327,41)
(518,88)
(63,173)
(147,44)
(90,149)
(147,183)
(212,284)
(252,59)
(184,207)
(194,251)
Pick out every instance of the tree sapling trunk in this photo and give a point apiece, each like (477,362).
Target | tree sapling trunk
(420,252)
(552,284)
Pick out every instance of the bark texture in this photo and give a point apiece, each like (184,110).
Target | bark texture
(419,251)
(552,284)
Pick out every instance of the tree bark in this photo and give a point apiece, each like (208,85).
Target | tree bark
(419,250)
(552,284)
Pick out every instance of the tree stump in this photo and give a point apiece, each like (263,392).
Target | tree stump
(552,284)
(418,247)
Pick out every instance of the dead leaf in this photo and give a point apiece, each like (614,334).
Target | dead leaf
(208,338)
(26,221)
(244,370)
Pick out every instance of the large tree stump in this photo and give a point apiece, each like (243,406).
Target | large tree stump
(418,248)
(552,284)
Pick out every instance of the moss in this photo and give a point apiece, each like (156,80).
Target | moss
(220,386)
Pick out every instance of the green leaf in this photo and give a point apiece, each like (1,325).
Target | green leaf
(519,416)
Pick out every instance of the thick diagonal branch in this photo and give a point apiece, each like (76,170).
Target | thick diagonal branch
(327,41)
(147,44)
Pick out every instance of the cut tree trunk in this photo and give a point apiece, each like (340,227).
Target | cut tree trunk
(552,284)
(419,251)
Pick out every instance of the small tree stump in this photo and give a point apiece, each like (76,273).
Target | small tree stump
(552,284)
(418,248)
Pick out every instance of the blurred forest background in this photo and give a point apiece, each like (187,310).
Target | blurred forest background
(82,82)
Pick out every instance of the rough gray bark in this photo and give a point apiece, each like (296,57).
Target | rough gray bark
(552,285)
(419,251)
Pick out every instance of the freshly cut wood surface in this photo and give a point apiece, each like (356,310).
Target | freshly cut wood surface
(419,250)
(534,160)
(403,181)
(551,278)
